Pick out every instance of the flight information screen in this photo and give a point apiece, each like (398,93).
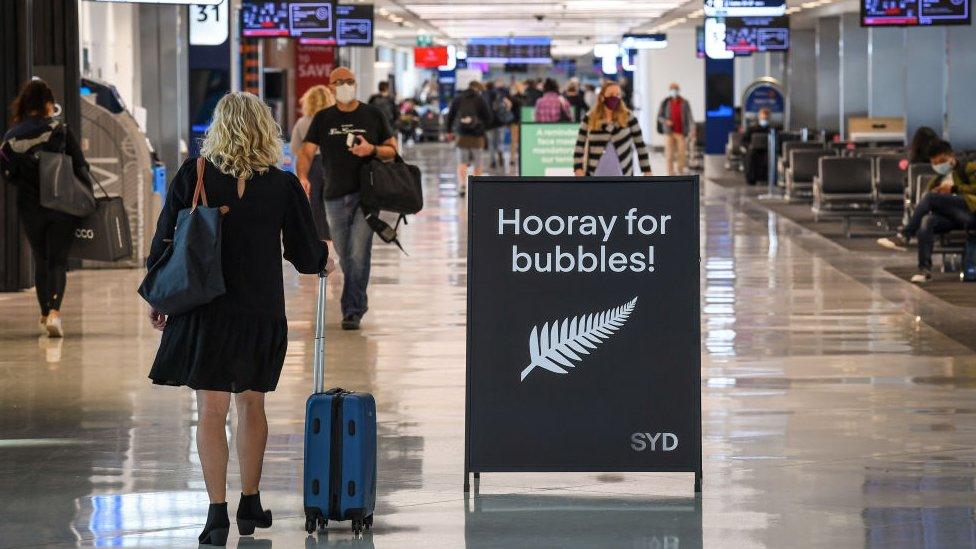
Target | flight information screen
(912,13)
(744,8)
(757,34)
(510,50)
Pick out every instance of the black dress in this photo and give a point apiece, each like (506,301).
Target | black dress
(237,342)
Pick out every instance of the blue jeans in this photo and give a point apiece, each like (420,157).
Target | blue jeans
(936,214)
(353,240)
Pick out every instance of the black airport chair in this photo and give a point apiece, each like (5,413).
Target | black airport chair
(784,160)
(889,182)
(804,166)
(844,187)
(733,151)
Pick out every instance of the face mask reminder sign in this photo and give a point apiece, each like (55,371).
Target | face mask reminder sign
(547,149)
(584,339)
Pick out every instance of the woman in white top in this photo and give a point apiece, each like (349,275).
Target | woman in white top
(317,98)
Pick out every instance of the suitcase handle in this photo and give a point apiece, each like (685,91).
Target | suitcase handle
(318,358)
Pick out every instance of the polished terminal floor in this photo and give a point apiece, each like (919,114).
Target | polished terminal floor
(836,411)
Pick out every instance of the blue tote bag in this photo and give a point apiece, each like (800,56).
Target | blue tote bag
(189,273)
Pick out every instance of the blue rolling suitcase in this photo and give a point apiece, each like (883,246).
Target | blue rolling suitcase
(340,447)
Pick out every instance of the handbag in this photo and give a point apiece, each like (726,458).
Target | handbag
(59,188)
(104,235)
(391,186)
(189,273)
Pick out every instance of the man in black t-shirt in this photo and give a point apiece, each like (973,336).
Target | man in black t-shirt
(349,135)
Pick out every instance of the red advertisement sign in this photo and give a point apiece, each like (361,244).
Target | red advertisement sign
(430,57)
(313,65)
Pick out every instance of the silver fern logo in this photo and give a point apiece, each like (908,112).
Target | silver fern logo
(557,345)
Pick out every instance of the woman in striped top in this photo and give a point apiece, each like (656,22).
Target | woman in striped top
(610,120)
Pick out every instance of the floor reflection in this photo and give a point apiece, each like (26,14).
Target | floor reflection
(497,521)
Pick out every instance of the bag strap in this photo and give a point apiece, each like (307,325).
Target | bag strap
(200,192)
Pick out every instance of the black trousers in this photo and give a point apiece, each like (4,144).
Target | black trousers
(936,214)
(50,234)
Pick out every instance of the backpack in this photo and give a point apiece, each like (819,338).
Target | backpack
(469,123)
(502,111)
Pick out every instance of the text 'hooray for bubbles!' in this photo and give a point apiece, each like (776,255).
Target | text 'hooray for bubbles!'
(591,254)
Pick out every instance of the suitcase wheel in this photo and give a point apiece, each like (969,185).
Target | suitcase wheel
(368,523)
(309,524)
(358,525)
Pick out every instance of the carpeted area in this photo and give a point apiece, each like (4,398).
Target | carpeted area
(945,286)
(865,231)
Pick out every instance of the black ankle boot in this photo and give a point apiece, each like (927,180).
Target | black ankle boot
(218,525)
(251,515)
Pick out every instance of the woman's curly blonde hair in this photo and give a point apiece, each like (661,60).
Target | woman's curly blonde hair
(243,138)
(316,99)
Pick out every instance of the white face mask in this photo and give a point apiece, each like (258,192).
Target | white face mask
(345,93)
(674,93)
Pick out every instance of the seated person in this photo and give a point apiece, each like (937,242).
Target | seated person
(948,205)
(754,161)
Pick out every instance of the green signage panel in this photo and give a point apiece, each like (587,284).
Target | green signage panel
(547,149)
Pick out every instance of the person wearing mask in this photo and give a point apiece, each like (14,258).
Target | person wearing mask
(50,233)
(317,98)
(385,102)
(948,205)
(349,135)
(675,122)
(754,160)
(608,136)
(552,107)
(576,100)
(918,151)
(467,118)
(236,344)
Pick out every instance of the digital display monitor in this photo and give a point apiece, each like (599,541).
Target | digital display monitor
(355,25)
(524,49)
(264,19)
(744,8)
(488,50)
(757,34)
(312,19)
(915,13)
(700,42)
(283,18)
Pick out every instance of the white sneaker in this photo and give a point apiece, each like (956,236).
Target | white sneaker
(896,242)
(54,328)
(42,325)
(922,277)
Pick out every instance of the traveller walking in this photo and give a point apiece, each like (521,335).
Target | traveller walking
(349,135)
(50,233)
(385,102)
(608,137)
(317,98)
(236,343)
(675,122)
(471,114)
(552,107)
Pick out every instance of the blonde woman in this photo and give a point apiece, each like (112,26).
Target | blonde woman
(236,343)
(610,128)
(317,98)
